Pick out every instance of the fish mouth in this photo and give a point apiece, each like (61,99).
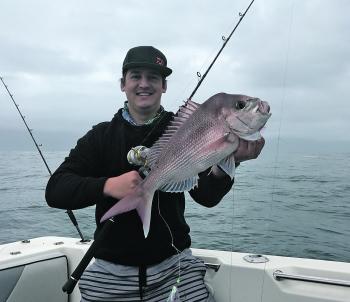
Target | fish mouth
(262,107)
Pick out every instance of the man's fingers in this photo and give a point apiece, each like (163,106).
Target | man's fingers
(119,186)
(259,145)
(249,149)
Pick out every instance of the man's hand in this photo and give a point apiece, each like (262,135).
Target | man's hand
(120,186)
(248,149)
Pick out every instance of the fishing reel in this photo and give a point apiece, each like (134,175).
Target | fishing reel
(137,156)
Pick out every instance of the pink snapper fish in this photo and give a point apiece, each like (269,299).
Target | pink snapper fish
(199,136)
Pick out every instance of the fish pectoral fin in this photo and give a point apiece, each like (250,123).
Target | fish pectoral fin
(251,137)
(181,186)
(228,165)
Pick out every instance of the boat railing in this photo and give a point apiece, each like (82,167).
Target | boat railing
(280,275)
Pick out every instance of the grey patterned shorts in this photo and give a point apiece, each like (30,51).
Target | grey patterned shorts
(178,278)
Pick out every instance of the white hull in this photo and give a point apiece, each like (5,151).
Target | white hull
(36,271)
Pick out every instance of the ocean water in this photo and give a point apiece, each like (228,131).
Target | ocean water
(296,204)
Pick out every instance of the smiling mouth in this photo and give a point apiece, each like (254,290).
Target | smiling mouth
(144,93)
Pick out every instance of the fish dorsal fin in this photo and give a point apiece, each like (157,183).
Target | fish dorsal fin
(184,112)
(181,186)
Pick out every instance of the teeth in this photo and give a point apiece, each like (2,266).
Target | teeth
(144,93)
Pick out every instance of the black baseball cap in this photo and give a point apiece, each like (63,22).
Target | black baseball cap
(146,56)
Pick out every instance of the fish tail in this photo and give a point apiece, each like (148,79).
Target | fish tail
(141,200)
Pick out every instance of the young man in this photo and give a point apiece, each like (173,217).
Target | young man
(127,266)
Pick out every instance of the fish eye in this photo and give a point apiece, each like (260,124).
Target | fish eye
(240,105)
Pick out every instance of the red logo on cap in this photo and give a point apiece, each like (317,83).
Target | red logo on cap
(159,61)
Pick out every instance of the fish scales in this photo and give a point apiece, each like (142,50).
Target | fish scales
(199,137)
(190,146)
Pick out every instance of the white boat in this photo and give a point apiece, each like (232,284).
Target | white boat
(35,270)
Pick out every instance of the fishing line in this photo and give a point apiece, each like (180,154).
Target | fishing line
(30,131)
(232,229)
(284,81)
(70,284)
(174,288)
(200,81)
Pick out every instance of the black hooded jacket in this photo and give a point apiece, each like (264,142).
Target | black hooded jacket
(100,154)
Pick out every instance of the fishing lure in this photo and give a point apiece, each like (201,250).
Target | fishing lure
(174,294)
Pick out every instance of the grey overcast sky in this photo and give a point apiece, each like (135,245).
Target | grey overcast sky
(62,61)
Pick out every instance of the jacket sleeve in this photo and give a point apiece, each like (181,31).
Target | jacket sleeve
(76,184)
(211,189)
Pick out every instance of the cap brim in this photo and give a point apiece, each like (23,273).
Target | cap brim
(163,70)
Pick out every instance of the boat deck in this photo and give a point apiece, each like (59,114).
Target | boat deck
(36,269)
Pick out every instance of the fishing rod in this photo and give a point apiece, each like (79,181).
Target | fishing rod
(30,131)
(201,78)
(68,287)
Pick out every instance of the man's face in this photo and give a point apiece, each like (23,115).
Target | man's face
(143,88)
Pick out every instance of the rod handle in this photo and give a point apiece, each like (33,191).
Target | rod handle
(68,287)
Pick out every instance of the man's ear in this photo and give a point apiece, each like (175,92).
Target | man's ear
(165,86)
(122,84)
